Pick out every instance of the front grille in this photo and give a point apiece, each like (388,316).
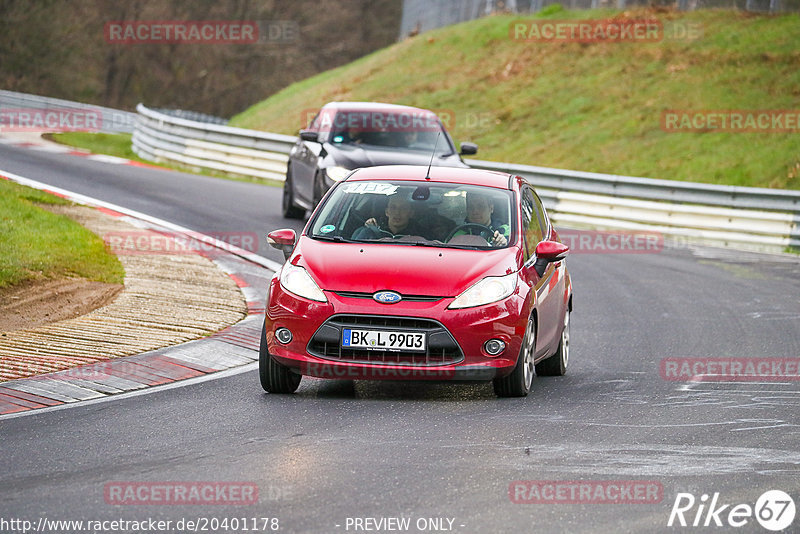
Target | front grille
(406,298)
(442,348)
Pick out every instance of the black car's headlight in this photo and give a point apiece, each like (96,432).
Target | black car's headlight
(337,173)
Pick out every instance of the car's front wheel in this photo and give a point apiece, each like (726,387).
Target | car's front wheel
(275,378)
(556,365)
(518,383)
(289,209)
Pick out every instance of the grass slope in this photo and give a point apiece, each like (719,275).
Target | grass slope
(39,244)
(594,107)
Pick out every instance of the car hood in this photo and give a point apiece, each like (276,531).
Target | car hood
(407,269)
(353,157)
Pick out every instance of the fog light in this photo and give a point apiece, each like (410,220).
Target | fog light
(283,335)
(493,347)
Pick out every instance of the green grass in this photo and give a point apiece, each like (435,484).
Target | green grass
(593,107)
(120,145)
(99,143)
(37,244)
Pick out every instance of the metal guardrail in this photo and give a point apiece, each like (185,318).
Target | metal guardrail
(649,188)
(110,120)
(161,137)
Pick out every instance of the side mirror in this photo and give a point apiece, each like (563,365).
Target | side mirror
(549,252)
(308,135)
(282,240)
(468,149)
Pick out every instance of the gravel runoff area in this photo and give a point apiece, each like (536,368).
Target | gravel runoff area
(169,297)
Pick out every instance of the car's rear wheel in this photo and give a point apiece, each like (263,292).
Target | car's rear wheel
(290,210)
(275,378)
(556,365)
(518,383)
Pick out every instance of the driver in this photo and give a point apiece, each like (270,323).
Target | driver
(479,211)
(399,218)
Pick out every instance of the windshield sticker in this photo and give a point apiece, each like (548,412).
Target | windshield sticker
(328,228)
(370,188)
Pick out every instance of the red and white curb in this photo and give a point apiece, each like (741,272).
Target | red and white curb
(234,346)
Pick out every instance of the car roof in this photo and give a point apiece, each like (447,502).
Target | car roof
(416,173)
(372,106)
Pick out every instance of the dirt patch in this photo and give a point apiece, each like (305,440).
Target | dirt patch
(46,301)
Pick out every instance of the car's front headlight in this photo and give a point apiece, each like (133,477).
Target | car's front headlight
(296,280)
(490,289)
(337,174)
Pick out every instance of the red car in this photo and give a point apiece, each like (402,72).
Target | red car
(420,273)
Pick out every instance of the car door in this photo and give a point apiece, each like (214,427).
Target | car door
(535,228)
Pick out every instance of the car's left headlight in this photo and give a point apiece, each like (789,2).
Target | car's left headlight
(296,280)
(337,174)
(490,289)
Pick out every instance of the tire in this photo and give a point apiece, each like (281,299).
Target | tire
(275,378)
(556,365)
(288,207)
(518,383)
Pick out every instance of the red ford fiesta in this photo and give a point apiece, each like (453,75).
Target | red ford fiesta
(417,273)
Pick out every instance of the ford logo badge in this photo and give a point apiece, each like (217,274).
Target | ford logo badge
(387,297)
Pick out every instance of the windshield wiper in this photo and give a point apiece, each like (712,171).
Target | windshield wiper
(334,238)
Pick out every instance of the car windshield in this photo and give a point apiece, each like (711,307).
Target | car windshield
(418,131)
(417,213)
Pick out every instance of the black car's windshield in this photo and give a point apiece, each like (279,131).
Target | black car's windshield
(419,131)
(417,213)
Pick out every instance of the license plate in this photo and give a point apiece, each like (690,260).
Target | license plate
(383,340)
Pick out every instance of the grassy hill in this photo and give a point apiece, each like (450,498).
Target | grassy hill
(586,106)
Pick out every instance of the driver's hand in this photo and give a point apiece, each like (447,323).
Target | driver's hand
(499,240)
(371,222)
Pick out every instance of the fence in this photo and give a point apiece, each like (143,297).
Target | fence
(743,217)
(110,120)
(161,137)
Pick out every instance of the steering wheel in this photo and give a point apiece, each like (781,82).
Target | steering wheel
(376,232)
(483,231)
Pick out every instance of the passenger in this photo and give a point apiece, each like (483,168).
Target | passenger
(479,211)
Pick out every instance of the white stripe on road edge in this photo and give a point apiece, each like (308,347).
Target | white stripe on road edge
(108,159)
(83,199)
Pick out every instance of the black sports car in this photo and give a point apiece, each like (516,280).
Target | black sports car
(348,135)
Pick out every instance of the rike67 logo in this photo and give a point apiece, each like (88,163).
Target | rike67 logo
(774,510)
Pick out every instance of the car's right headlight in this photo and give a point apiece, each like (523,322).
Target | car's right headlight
(337,174)
(490,289)
(296,280)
